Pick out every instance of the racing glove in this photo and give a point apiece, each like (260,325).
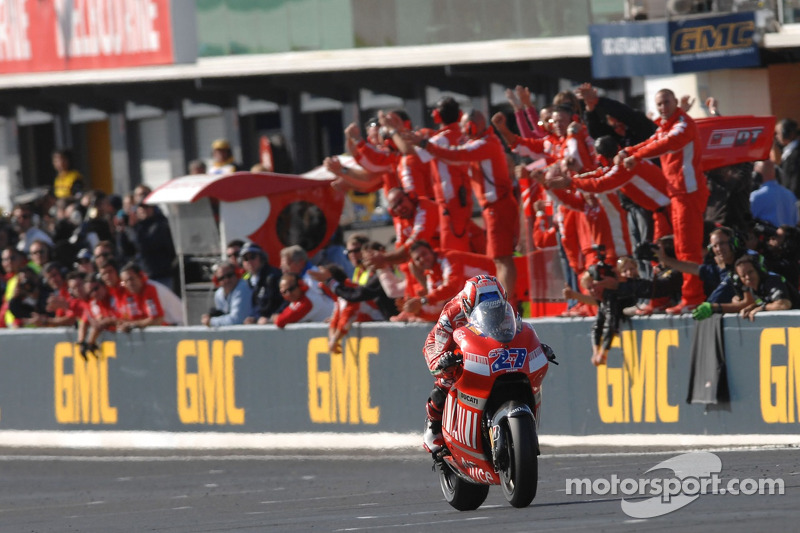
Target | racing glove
(447,363)
(702,311)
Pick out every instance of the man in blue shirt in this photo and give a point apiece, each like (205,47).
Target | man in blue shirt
(772,202)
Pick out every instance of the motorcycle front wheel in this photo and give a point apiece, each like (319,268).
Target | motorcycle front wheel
(461,494)
(520,477)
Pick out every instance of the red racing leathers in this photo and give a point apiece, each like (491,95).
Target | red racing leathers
(451,189)
(675,142)
(644,185)
(492,186)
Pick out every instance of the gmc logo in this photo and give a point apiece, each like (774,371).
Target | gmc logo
(733,137)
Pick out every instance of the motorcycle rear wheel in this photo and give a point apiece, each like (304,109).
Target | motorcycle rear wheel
(461,494)
(520,478)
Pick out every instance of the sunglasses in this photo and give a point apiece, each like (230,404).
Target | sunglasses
(37,252)
(248,257)
(233,254)
(229,275)
(354,251)
(288,289)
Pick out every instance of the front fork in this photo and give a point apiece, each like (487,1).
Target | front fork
(498,436)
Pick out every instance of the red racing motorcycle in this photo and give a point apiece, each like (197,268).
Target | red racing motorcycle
(490,416)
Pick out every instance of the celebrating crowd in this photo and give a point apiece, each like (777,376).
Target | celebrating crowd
(623,199)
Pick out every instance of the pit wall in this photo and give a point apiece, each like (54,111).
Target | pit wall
(259,379)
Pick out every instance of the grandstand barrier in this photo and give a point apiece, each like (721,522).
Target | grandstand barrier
(256,379)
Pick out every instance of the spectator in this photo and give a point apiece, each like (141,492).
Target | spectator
(68,181)
(232,251)
(96,225)
(23,220)
(675,142)
(264,280)
(728,201)
(13,261)
(103,253)
(83,262)
(197,166)
(100,314)
(140,193)
(769,291)
(27,303)
(39,254)
(346,255)
(222,159)
(68,308)
(294,259)
(781,252)
(233,299)
(141,306)
(109,274)
(293,289)
(154,242)
(787,136)
(772,201)
(123,236)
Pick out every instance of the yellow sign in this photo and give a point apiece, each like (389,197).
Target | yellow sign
(638,390)
(81,387)
(207,382)
(341,393)
(778,384)
(711,38)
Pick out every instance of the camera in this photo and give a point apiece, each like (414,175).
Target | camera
(764,230)
(645,251)
(600,269)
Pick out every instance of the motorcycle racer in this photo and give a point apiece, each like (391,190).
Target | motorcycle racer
(440,348)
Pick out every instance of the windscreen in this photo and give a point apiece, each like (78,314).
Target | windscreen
(495,318)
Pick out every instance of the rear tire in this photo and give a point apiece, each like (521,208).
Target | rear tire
(461,494)
(520,478)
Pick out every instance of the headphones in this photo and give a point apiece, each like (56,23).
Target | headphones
(757,260)
(733,239)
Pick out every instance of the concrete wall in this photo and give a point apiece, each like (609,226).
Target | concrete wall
(259,379)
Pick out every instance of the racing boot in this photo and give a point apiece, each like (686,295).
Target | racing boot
(432,439)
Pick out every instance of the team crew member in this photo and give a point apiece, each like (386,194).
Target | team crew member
(141,305)
(451,184)
(645,185)
(491,183)
(675,142)
(414,219)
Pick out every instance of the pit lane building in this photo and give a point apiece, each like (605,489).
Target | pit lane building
(138,88)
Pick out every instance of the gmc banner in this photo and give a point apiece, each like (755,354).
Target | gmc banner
(57,35)
(672,47)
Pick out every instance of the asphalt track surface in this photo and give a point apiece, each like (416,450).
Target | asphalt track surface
(179,491)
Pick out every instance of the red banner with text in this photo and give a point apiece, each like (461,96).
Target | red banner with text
(57,35)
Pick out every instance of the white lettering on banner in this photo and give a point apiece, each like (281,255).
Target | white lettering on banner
(14,22)
(618,46)
(97,28)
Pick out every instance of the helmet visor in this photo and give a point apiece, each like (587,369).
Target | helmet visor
(495,318)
